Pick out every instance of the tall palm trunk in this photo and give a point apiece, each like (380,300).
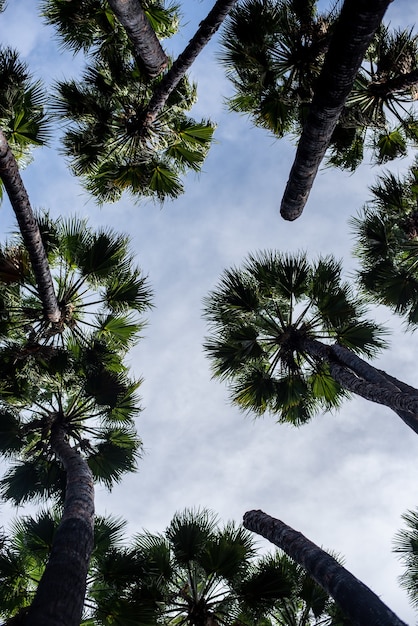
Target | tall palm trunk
(358,22)
(147,48)
(358,602)
(59,599)
(12,181)
(206,29)
(361,378)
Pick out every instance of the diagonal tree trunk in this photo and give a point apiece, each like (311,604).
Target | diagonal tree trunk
(9,174)
(207,28)
(358,22)
(147,48)
(59,599)
(359,377)
(358,602)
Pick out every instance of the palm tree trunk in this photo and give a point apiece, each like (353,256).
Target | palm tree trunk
(358,22)
(361,606)
(59,599)
(206,29)
(148,51)
(359,377)
(9,174)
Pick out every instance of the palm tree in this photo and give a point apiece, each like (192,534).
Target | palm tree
(406,547)
(297,71)
(196,574)
(273,52)
(106,139)
(25,551)
(287,334)
(147,48)
(99,290)
(356,26)
(358,602)
(22,116)
(91,26)
(386,233)
(176,73)
(75,411)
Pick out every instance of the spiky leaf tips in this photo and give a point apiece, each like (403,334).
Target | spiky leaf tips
(22,107)
(101,293)
(273,52)
(107,140)
(271,323)
(386,233)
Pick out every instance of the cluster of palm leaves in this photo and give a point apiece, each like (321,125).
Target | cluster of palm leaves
(71,371)
(269,322)
(195,573)
(22,107)
(107,139)
(273,51)
(386,232)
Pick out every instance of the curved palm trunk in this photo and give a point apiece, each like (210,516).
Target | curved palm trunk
(59,599)
(9,174)
(148,51)
(359,377)
(207,28)
(358,22)
(358,602)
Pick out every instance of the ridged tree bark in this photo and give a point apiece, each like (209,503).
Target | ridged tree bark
(59,599)
(147,48)
(357,376)
(357,601)
(171,79)
(13,184)
(358,22)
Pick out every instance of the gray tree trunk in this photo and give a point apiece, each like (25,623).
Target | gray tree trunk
(358,22)
(59,599)
(169,82)
(359,377)
(12,181)
(147,48)
(358,602)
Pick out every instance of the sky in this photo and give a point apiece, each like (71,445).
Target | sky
(345,478)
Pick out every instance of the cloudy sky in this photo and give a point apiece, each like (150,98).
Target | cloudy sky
(344,479)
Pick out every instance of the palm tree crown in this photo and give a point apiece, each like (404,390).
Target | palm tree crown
(273,51)
(267,319)
(387,238)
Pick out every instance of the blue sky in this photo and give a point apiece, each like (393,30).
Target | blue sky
(344,479)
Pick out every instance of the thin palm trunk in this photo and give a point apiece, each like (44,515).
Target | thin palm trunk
(207,28)
(356,26)
(359,377)
(9,174)
(147,48)
(358,602)
(59,599)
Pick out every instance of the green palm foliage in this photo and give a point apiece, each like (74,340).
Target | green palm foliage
(86,393)
(25,551)
(100,291)
(406,547)
(22,101)
(266,317)
(90,25)
(196,574)
(273,51)
(107,141)
(386,233)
